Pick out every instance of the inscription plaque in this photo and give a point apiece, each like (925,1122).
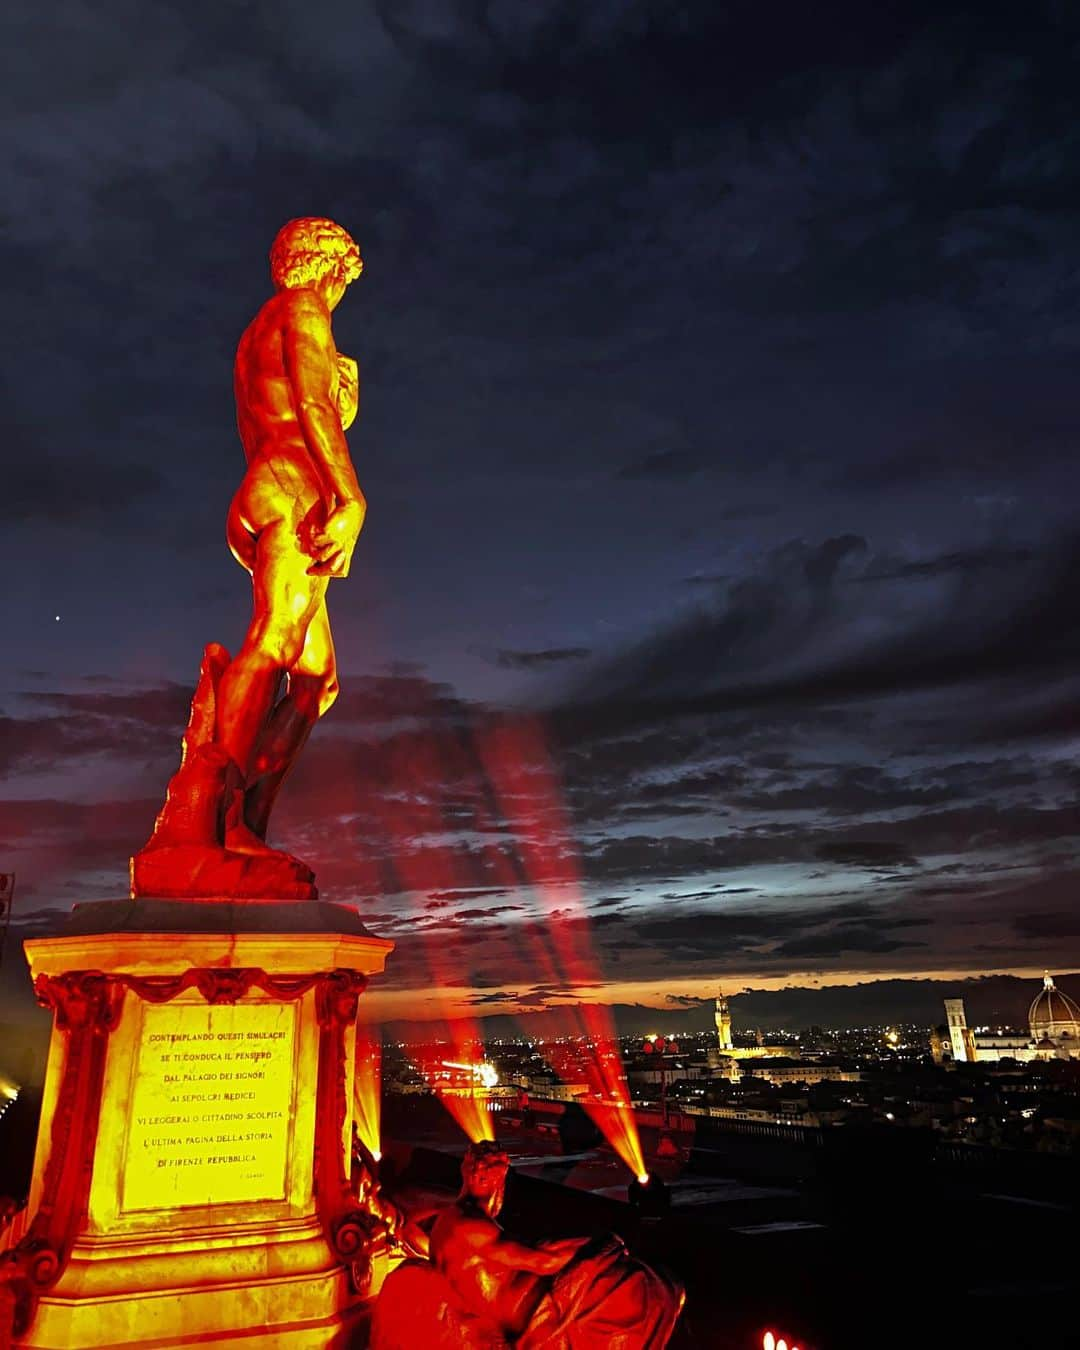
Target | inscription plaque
(211,1105)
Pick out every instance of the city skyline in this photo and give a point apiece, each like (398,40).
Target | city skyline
(714,617)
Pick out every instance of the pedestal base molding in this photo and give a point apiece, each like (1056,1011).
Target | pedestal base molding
(191,1183)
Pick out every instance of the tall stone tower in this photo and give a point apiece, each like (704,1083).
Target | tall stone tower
(960,1034)
(723,1023)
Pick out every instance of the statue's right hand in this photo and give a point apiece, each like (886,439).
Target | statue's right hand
(332,546)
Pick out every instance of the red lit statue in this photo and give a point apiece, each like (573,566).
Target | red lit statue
(293,525)
(483,1291)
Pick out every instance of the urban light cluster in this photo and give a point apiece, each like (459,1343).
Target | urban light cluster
(772,1342)
(9,1094)
(484,1074)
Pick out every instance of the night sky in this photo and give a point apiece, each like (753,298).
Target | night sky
(718,425)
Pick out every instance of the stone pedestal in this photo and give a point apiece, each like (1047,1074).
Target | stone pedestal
(191,1181)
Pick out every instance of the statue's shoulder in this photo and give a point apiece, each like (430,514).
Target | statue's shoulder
(458,1228)
(475,1232)
(300,300)
(273,311)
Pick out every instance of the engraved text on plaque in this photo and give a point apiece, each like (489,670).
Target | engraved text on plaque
(211,1105)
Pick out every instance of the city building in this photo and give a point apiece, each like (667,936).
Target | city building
(1055,1018)
(1053,1032)
(719,1057)
(723,1024)
(961,1037)
(778,1071)
(549,1088)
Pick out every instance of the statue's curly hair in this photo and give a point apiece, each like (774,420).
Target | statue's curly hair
(307,248)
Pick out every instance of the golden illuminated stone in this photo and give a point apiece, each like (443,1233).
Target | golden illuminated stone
(176,1248)
(211,1107)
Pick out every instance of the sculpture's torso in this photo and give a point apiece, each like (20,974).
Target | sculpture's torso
(282,480)
(505,1297)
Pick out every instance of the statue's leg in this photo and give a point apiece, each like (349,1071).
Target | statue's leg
(312,689)
(285,600)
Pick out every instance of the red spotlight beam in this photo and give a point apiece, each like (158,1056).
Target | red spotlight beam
(528,795)
(367,1087)
(407,815)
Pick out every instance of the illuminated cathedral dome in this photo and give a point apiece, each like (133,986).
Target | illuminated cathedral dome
(1054,1015)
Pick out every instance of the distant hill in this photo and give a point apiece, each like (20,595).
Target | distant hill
(988,999)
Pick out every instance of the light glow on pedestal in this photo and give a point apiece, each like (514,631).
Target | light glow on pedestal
(367,1087)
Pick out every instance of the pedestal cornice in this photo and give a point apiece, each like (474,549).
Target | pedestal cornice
(162,937)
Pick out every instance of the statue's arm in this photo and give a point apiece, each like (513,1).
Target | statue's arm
(311,364)
(503,1251)
(565,1247)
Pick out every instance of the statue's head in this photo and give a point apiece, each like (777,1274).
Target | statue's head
(314,252)
(484,1170)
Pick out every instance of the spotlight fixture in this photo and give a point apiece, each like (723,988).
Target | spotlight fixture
(649,1196)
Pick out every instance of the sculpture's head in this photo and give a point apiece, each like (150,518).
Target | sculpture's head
(315,252)
(484,1170)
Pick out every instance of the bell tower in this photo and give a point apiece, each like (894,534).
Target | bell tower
(723,1022)
(960,1034)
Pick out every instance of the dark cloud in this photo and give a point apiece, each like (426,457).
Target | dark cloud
(38,922)
(865,853)
(711,579)
(489,913)
(539,660)
(824,933)
(166,706)
(946,564)
(806,643)
(135,723)
(371,700)
(380,923)
(1047,925)
(842,940)
(601,921)
(439,898)
(664,464)
(699,933)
